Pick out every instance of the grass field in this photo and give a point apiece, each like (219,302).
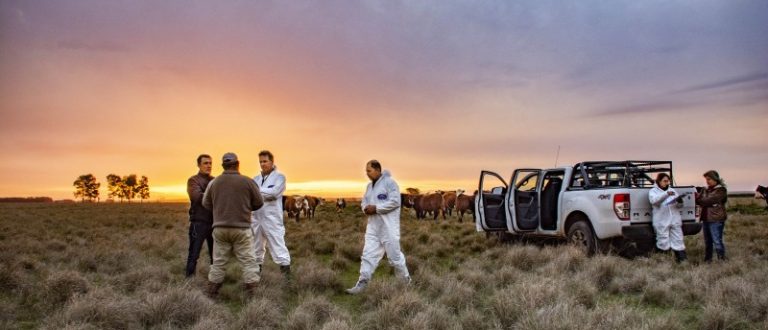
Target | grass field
(120,266)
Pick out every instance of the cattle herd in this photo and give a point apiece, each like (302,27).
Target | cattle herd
(438,203)
(433,204)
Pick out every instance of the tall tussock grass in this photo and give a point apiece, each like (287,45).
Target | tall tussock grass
(313,312)
(118,266)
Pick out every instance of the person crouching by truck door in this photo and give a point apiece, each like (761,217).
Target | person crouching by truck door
(667,222)
(712,200)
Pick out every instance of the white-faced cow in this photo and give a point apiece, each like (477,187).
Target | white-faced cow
(341,204)
(311,204)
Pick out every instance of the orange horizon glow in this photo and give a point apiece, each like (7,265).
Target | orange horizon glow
(437,93)
(325,189)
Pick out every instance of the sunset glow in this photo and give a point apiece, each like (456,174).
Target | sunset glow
(435,91)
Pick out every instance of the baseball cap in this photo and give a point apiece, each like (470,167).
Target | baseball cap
(229,158)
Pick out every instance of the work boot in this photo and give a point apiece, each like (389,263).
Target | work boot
(250,290)
(721,256)
(681,256)
(212,291)
(359,287)
(286,270)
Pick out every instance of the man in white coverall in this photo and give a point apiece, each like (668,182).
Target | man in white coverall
(382,235)
(667,222)
(267,221)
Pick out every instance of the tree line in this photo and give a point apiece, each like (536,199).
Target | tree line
(123,188)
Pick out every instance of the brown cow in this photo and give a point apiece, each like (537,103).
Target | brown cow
(430,203)
(311,204)
(450,202)
(293,205)
(465,203)
(409,201)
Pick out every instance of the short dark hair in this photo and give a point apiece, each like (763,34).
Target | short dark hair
(375,164)
(661,176)
(268,154)
(231,166)
(200,158)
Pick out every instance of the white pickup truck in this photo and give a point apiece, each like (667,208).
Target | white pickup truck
(596,204)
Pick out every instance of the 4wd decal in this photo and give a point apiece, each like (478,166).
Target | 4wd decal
(603,197)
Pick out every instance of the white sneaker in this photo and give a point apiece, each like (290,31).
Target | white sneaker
(359,287)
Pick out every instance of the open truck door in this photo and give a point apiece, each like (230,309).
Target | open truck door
(490,213)
(523,200)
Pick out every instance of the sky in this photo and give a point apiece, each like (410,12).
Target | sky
(435,90)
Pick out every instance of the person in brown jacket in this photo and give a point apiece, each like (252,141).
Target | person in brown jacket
(232,197)
(200,218)
(712,200)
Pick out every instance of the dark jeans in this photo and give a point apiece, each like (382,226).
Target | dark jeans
(713,236)
(198,232)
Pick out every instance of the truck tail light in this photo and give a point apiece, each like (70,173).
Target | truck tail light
(621,206)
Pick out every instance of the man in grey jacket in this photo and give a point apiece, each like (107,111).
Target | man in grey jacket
(232,197)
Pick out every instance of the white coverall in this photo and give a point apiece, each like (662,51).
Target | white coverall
(382,235)
(667,222)
(267,222)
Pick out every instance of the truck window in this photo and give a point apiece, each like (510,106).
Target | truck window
(528,182)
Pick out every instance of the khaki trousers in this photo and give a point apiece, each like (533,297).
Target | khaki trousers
(237,241)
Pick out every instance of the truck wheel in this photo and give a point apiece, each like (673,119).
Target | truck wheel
(581,235)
